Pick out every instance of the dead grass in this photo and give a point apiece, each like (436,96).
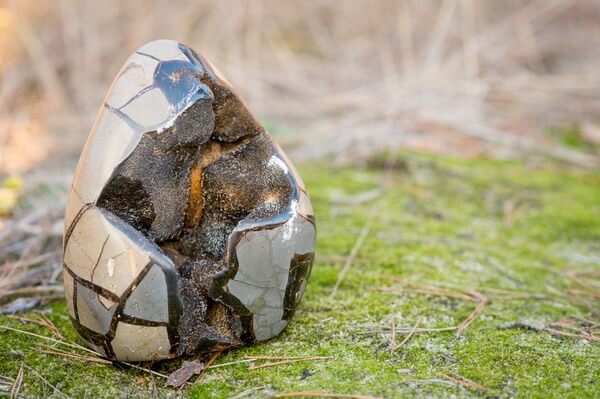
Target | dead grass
(460,76)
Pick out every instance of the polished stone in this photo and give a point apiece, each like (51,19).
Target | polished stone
(187,228)
(133,343)
(147,302)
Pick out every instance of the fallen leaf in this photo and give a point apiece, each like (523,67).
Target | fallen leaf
(184,373)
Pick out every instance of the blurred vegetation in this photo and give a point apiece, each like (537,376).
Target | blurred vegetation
(461,77)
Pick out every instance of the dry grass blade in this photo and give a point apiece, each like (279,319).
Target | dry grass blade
(357,245)
(57,341)
(214,366)
(553,331)
(465,382)
(322,394)
(445,292)
(589,293)
(428,290)
(410,334)
(45,381)
(83,348)
(393,337)
(50,325)
(289,360)
(73,355)
(260,357)
(247,392)
(208,365)
(41,320)
(16,387)
(31,290)
(144,369)
(409,329)
(478,309)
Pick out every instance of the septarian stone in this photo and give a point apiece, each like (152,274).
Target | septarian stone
(187,229)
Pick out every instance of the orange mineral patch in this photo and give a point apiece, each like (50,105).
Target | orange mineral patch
(193,214)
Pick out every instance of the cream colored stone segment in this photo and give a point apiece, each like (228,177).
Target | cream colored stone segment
(164,50)
(114,267)
(136,75)
(139,343)
(74,204)
(109,143)
(150,110)
(92,314)
(304,206)
(149,301)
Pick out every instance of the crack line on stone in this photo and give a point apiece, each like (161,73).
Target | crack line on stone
(148,55)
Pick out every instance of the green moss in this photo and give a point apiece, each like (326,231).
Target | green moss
(571,136)
(462,224)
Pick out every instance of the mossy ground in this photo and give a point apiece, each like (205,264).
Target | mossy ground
(465,225)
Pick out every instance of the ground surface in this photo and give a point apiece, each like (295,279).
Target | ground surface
(433,239)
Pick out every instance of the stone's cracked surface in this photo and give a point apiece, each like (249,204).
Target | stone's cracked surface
(135,77)
(134,343)
(187,228)
(93,314)
(265,260)
(104,251)
(147,302)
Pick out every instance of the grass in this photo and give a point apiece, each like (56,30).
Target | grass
(441,230)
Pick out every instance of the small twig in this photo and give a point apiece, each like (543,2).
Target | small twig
(410,334)
(321,394)
(16,387)
(478,309)
(270,364)
(465,382)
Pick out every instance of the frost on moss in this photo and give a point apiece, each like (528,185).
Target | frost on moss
(524,236)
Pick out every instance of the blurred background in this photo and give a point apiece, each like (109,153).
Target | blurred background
(331,78)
